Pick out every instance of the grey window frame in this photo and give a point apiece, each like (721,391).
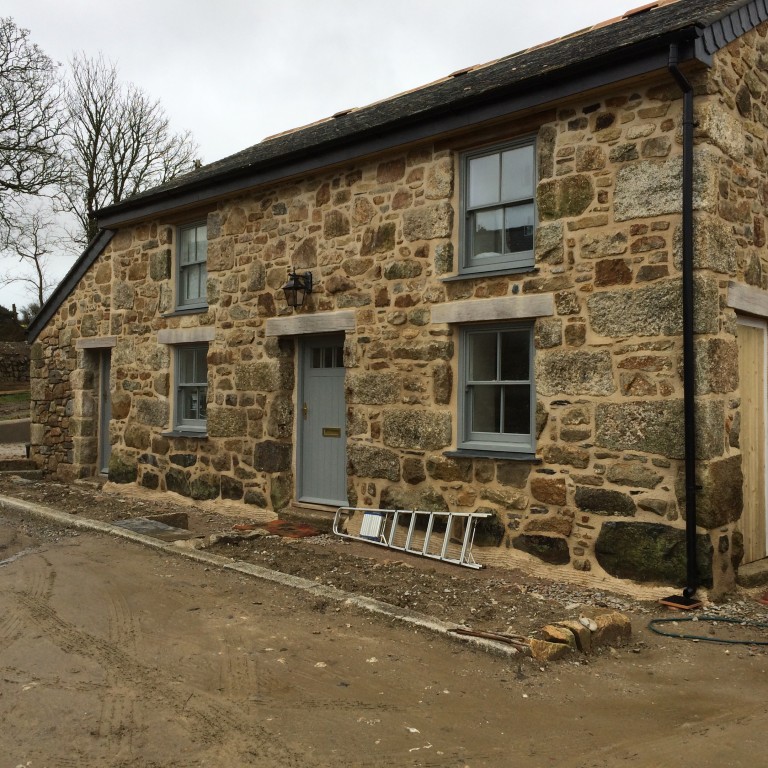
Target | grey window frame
(180,424)
(183,302)
(511,262)
(486,441)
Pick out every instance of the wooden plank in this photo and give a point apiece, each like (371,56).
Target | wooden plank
(747,298)
(752,378)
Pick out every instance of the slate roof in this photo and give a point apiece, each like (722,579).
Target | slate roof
(650,27)
(623,47)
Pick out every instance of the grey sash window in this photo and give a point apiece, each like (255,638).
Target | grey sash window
(191,386)
(497,388)
(498,207)
(192,254)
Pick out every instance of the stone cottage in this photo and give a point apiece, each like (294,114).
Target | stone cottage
(539,288)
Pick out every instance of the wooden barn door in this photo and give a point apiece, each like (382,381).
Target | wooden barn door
(753,336)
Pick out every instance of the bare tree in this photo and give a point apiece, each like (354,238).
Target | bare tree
(27,314)
(34,237)
(30,122)
(119,141)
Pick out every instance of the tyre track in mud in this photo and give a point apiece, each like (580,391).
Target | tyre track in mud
(118,721)
(13,621)
(209,722)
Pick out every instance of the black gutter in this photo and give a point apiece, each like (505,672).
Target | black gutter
(689,361)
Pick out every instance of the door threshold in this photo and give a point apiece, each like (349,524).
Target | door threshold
(323,506)
(319,515)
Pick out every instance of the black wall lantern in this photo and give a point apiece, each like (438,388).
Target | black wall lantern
(297,287)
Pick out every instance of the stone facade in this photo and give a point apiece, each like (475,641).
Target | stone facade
(381,237)
(14,362)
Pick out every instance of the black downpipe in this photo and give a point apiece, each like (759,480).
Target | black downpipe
(689,383)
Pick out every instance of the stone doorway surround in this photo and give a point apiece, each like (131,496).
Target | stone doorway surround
(305,326)
(84,420)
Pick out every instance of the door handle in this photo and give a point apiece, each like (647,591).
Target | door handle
(305,411)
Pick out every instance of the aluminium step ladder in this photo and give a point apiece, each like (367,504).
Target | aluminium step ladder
(446,536)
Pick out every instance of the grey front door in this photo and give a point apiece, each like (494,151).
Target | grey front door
(105,410)
(322,454)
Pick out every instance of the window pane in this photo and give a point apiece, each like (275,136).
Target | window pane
(202,272)
(186,361)
(487,233)
(191,265)
(188,283)
(193,245)
(515,351)
(484,180)
(186,246)
(518,228)
(189,403)
(486,409)
(201,249)
(517,174)
(201,366)
(483,356)
(517,410)
(193,365)
(339,357)
(328,357)
(193,282)
(191,384)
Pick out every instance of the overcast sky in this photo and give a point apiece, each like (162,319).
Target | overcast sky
(236,71)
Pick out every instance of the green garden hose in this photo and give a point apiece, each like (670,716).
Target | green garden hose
(653,626)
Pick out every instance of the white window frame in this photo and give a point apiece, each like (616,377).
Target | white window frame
(180,422)
(523,442)
(499,262)
(198,263)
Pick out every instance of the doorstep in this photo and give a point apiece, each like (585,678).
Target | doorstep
(318,515)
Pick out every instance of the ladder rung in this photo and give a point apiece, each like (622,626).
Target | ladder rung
(386,529)
(411,529)
(430,524)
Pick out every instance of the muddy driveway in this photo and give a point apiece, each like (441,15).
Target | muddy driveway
(115,655)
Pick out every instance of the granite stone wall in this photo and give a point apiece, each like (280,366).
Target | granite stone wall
(380,237)
(14,362)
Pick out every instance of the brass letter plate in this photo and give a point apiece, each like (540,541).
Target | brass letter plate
(331,431)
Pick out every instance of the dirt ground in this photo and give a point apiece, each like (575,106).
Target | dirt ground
(491,599)
(115,655)
(13,410)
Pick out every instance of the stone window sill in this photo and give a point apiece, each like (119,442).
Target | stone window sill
(490,273)
(181,311)
(504,455)
(185,433)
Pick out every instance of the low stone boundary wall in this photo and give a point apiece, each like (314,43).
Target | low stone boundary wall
(14,362)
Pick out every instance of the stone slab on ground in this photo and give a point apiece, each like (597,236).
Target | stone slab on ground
(154,528)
